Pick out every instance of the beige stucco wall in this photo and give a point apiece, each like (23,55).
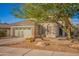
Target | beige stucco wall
(53,30)
(8,32)
(27,33)
(11,32)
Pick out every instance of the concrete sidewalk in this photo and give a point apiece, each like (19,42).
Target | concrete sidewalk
(10,41)
(8,51)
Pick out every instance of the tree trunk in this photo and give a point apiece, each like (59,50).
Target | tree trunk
(68,35)
(69,32)
(69,26)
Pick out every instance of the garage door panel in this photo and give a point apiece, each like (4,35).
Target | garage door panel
(16,33)
(27,33)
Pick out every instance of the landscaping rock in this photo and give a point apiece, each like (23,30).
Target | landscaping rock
(38,40)
(75,41)
(76,46)
(41,44)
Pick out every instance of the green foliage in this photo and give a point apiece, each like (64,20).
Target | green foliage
(41,11)
(52,12)
(30,39)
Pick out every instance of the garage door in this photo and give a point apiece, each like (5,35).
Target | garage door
(27,33)
(16,34)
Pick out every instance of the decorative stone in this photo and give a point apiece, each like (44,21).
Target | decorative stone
(38,40)
(41,44)
(74,46)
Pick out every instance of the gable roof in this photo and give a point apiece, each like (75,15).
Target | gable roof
(24,22)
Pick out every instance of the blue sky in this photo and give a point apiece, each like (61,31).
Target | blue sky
(7,17)
(5,13)
(75,18)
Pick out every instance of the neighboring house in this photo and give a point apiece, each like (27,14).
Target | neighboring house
(28,29)
(5,29)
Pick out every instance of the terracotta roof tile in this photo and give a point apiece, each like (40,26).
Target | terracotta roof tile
(24,22)
(5,26)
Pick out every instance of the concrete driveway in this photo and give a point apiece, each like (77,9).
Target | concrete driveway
(10,41)
(9,51)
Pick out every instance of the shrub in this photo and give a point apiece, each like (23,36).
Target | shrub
(30,39)
(2,34)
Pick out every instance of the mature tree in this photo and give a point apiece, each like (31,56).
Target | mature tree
(52,12)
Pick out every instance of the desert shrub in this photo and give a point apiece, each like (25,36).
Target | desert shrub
(30,39)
